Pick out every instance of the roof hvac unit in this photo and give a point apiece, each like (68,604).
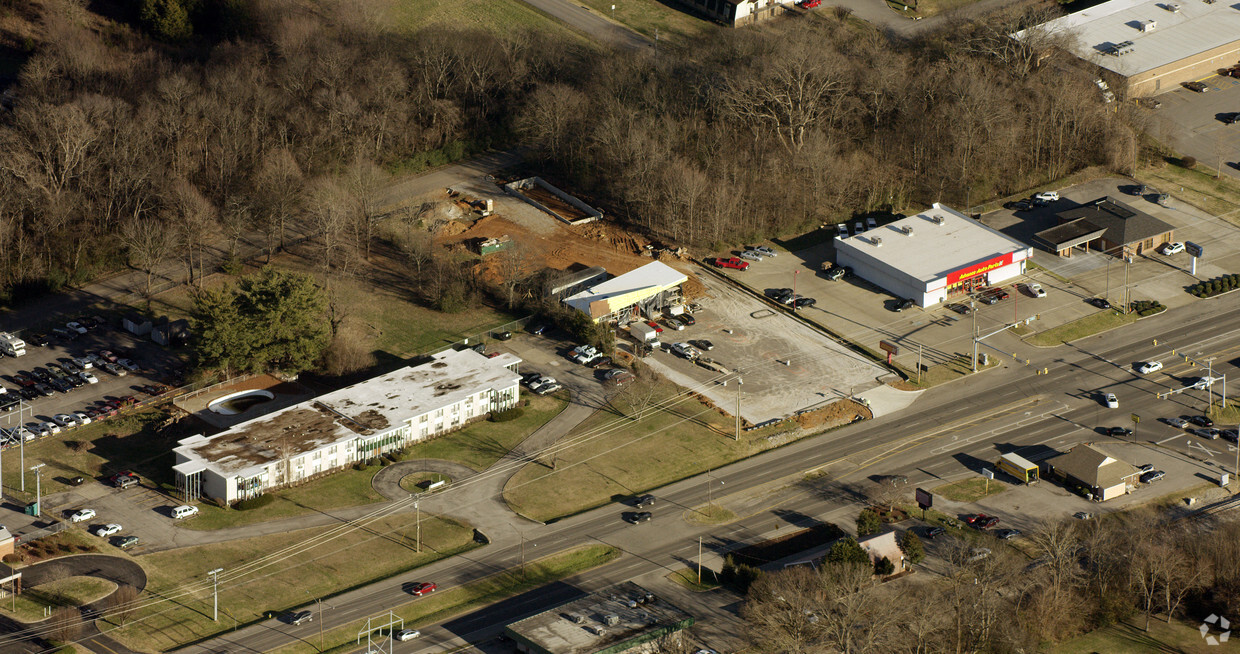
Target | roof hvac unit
(878,242)
(1172,7)
(611,619)
(907,230)
(938,220)
(1148,25)
(1120,48)
(596,629)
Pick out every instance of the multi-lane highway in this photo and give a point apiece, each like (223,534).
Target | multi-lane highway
(936,438)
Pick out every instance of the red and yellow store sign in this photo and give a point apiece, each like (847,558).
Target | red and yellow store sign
(979,269)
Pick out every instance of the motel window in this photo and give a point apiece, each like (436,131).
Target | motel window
(424,418)
(439,413)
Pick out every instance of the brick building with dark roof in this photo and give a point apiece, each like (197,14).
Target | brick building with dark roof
(1108,225)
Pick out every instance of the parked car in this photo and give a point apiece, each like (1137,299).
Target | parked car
(752,255)
(1200,421)
(83,362)
(65,420)
(1145,467)
(870,223)
(961,309)
(88,377)
(1199,87)
(841,230)
(124,480)
(1149,366)
(764,250)
(1099,302)
(685,350)
(110,529)
(901,305)
(803,302)
(1007,534)
(126,542)
(77,327)
(546,389)
(107,355)
(1111,401)
(424,588)
(1036,290)
(858,227)
(115,369)
(837,273)
(1021,205)
(621,379)
(1082,515)
(809,4)
(82,417)
(81,515)
(1046,197)
(703,345)
(128,365)
(935,532)
(687,319)
(674,323)
(1152,476)
(37,340)
(655,326)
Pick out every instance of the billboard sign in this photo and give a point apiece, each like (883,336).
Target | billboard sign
(924,499)
(889,348)
(980,268)
(1193,249)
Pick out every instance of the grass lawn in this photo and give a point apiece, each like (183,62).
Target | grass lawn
(1081,327)
(446,602)
(970,490)
(345,488)
(688,578)
(645,16)
(132,442)
(1220,197)
(950,371)
(496,16)
(625,457)
(483,443)
(1228,415)
(376,551)
(1128,637)
(71,591)
(709,515)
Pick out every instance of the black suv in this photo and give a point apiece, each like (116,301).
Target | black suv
(640,517)
(1119,431)
(901,305)
(644,501)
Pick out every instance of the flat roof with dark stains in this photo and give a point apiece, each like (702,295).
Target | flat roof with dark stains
(367,408)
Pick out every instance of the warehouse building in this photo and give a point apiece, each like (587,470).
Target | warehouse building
(1152,45)
(1103,476)
(1106,225)
(645,291)
(933,256)
(621,618)
(353,424)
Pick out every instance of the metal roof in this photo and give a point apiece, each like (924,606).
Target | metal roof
(932,244)
(1182,28)
(632,286)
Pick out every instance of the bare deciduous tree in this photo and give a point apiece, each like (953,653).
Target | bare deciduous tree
(150,243)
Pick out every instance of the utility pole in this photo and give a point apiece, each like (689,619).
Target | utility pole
(1127,261)
(700,540)
(919,363)
(522,555)
(973,310)
(38,490)
(215,591)
(319,601)
(417,498)
(738,409)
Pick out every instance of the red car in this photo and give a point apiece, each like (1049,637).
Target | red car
(810,4)
(655,325)
(424,588)
(976,518)
(107,355)
(733,262)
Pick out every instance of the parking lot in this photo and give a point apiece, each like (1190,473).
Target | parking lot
(785,365)
(154,366)
(1192,123)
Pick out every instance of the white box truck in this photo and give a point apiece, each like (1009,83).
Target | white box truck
(12,345)
(644,333)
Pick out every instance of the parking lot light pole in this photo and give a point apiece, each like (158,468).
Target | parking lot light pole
(215,592)
(37,490)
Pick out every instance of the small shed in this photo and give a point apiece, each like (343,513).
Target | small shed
(136,324)
(172,333)
(8,543)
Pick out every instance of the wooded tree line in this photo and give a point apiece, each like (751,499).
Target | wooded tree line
(1081,575)
(120,150)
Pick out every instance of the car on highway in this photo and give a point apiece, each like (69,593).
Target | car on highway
(1231,435)
(644,501)
(1149,366)
(406,634)
(1111,401)
(1099,302)
(1169,249)
(1179,423)
(1208,433)
(640,517)
(424,588)
(82,514)
(301,617)
(1152,476)
(1119,432)
(110,529)
(962,309)
(1198,383)
(1200,421)
(1035,289)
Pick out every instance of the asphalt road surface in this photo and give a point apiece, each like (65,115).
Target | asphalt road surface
(591,24)
(943,427)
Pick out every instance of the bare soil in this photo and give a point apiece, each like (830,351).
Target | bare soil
(551,201)
(836,413)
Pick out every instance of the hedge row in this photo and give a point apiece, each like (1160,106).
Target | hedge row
(1148,307)
(1216,286)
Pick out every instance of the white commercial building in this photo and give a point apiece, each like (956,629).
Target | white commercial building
(1153,45)
(648,290)
(352,424)
(933,256)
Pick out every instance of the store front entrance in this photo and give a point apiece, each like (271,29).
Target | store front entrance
(966,286)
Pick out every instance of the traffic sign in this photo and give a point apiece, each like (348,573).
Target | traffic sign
(1136,418)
